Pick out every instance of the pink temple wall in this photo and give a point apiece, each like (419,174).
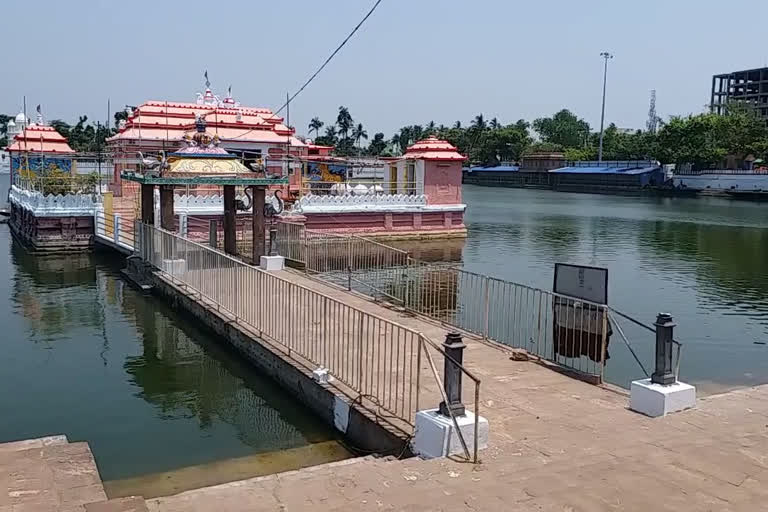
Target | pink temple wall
(442,182)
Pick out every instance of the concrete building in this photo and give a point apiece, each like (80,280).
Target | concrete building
(747,87)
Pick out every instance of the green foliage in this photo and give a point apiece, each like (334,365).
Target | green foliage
(377,145)
(704,140)
(563,128)
(4,129)
(315,124)
(55,181)
(84,137)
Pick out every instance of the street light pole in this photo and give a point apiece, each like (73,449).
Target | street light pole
(606,56)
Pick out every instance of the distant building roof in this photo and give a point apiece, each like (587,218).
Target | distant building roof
(623,167)
(38,138)
(497,168)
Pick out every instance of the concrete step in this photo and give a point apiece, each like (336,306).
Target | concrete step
(233,489)
(27,444)
(57,476)
(224,472)
(127,504)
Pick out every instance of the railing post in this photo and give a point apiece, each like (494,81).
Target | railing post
(664,373)
(349,264)
(183,228)
(116,226)
(486,305)
(454,349)
(213,234)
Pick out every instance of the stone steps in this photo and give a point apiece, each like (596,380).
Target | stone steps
(48,474)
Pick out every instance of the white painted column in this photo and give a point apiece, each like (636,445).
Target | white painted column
(116,225)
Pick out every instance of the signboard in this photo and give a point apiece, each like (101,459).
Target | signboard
(582,282)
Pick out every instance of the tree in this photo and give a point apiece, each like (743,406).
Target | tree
(377,145)
(314,125)
(564,128)
(329,138)
(4,129)
(120,115)
(344,121)
(359,133)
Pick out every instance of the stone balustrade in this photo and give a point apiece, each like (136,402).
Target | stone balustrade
(40,205)
(363,202)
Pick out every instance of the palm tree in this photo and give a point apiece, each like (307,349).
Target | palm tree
(457,125)
(315,124)
(330,134)
(344,121)
(495,124)
(359,133)
(479,123)
(431,130)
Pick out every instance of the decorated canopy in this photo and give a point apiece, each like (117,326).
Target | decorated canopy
(202,161)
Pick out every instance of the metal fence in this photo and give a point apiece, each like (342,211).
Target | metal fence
(361,187)
(569,332)
(115,230)
(379,360)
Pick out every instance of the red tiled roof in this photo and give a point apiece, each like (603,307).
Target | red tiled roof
(433,148)
(40,139)
(253,125)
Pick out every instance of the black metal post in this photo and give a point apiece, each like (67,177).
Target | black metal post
(454,349)
(213,234)
(664,374)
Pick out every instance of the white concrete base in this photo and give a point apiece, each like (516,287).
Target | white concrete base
(436,436)
(174,267)
(270,263)
(656,400)
(321,375)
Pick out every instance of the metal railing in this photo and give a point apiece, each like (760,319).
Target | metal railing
(630,328)
(114,229)
(361,187)
(63,183)
(378,359)
(569,332)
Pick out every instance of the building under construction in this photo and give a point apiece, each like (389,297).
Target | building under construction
(748,87)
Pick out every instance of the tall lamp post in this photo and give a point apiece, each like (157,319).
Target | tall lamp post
(606,56)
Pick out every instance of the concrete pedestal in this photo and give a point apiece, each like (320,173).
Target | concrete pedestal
(174,267)
(437,437)
(657,400)
(269,263)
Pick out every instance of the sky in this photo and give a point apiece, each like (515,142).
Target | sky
(413,60)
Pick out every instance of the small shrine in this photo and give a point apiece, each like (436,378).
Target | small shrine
(37,148)
(202,162)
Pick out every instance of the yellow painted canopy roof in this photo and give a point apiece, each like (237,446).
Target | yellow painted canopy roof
(207,166)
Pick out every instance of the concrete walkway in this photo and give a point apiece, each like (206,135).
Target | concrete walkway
(556,444)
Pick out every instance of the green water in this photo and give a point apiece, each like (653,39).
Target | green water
(705,260)
(84,354)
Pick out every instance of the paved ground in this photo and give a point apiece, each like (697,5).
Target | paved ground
(48,474)
(556,444)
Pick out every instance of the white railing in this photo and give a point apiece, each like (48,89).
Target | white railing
(114,230)
(365,202)
(52,205)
